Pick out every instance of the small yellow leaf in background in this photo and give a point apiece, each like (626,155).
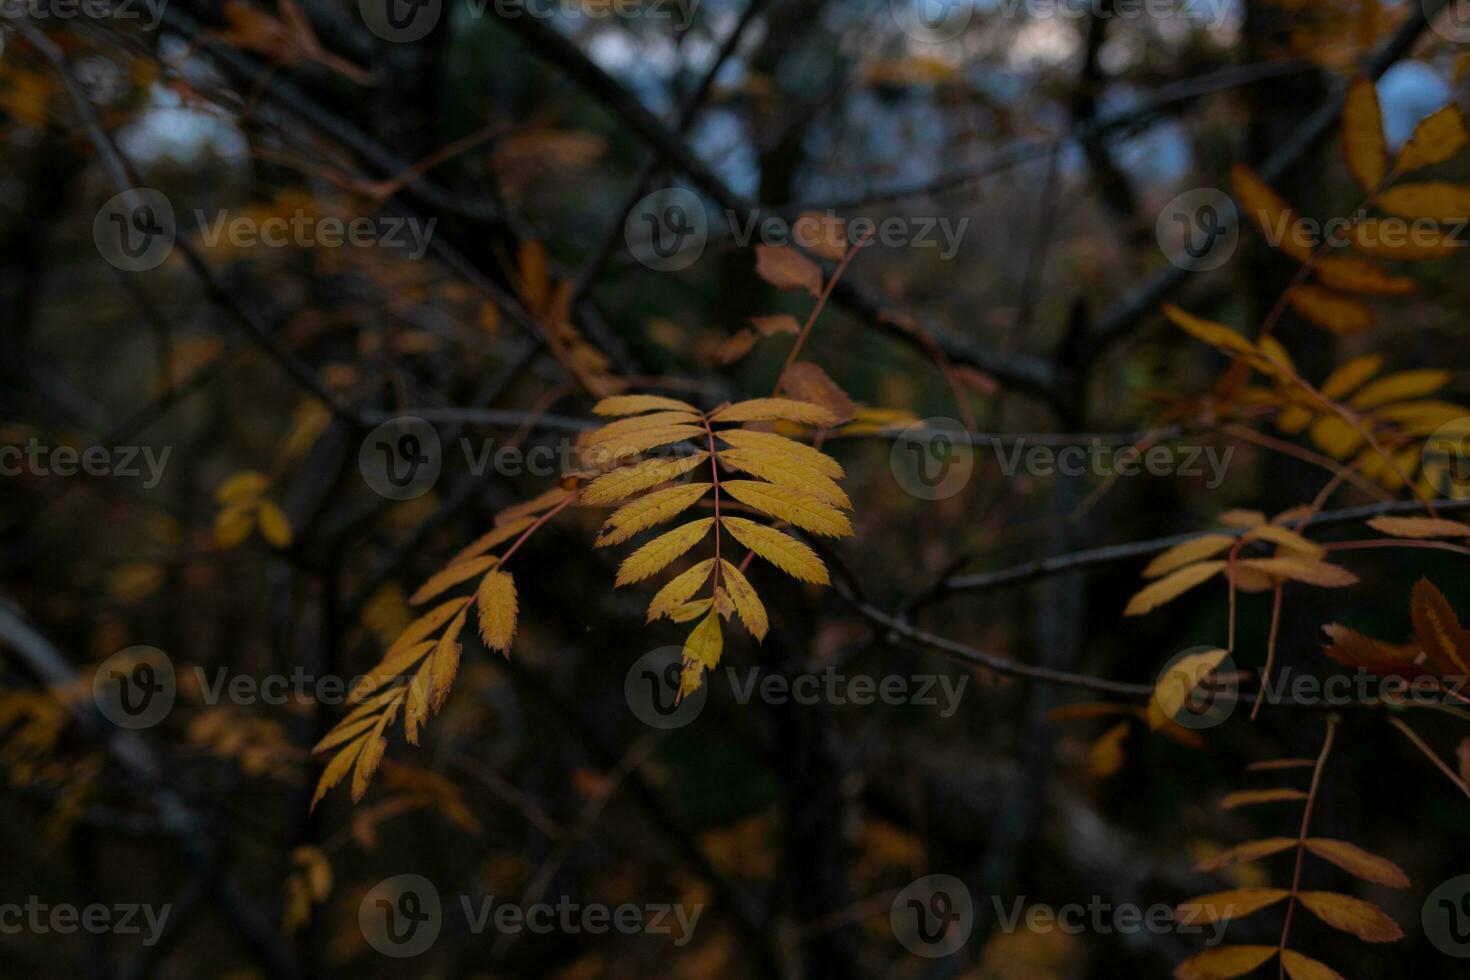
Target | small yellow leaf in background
(496,600)
(1171,587)
(1300,967)
(1220,906)
(807,382)
(242,487)
(1255,797)
(768,326)
(1270,213)
(1346,378)
(274,526)
(1363,919)
(1223,962)
(1391,240)
(1399,386)
(1187,553)
(1354,275)
(449,577)
(1362,134)
(1431,199)
(736,346)
(1174,686)
(1332,311)
(1438,137)
(1106,756)
(786,268)
(1420,527)
(822,234)
(1358,862)
(233,525)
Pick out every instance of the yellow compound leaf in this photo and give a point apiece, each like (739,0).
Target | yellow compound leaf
(638,404)
(447,578)
(1362,134)
(1171,587)
(1307,570)
(1363,919)
(747,604)
(657,554)
(1187,553)
(648,510)
(793,557)
(1438,137)
(1223,906)
(677,590)
(1251,850)
(1349,375)
(773,445)
(786,268)
(1391,240)
(1255,797)
(1299,967)
(1223,962)
(701,653)
(1430,199)
(793,506)
(1358,862)
(623,483)
(496,601)
(1420,527)
(767,409)
(1354,275)
(1400,386)
(787,471)
(1329,310)
(491,538)
(1270,213)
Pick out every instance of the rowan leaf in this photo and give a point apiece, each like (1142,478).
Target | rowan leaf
(631,443)
(367,764)
(1352,649)
(1444,641)
(786,268)
(1237,517)
(233,525)
(496,535)
(1354,275)
(807,382)
(628,480)
(1223,962)
(787,471)
(771,444)
(1307,570)
(1267,209)
(766,409)
(1187,553)
(768,326)
(1106,756)
(444,664)
(1403,245)
(1286,538)
(541,502)
(426,624)
(1299,967)
(691,610)
(648,510)
(1420,527)
(1358,862)
(1362,134)
(793,557)
(1431,199)
(1171,586)
(1215,334)
(623,428)
(657,554)
(701,653)
(1400,386)
(1438,137)
(747,604)
(1350,375)
(1255,797)
(1332,311)
(447,578)
(1225,906)
(793,506)
(496,601)
(677,590)
(340,765)
(243,487)
(1251,850)
(1363,919)
(1174,687)
(638,404)
(344,732)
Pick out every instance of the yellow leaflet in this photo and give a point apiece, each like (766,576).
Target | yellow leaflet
(1400,387)
(1438,137)
(801,509)
(763,409)
(637,404)
(1220,906)
(1354,275)
(747,604)
(1171,587)
(1352,915)
(625,427)
(656,555)
(701,653)
(1223,962)
(1349,375)
(491,538)
(426,624)
(1270,213)
(1358,862)
(768,443)
(449,577)
(1187,553)
(496,600)
(678,590)
(1306,570)
(1431,199)
(1362,135)
(648,510)
(782,550)
(1334,311)
(786,471)
(625,482)
(607,453)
